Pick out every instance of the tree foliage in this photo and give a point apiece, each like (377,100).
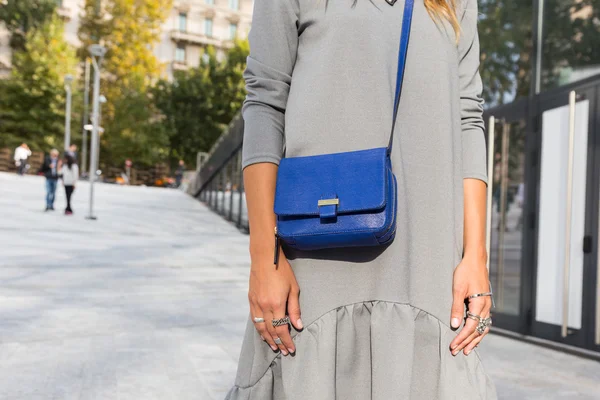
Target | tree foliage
(32,100)
(23,16)
(145,118)
(570,39)
(93,26)
(571,29)
(505,33)
(128,70)
(199,103)
(134,28)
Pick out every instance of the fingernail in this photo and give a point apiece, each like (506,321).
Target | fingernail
(262,338)
(300,323)
(285,353)
(274,347)
(455,322)
(291,351)
(467,352)
(454,346)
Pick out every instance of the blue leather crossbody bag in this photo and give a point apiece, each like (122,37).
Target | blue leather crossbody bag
(342,199)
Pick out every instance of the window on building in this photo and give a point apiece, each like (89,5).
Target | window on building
(232,31)
(208,27)
(180,53)
(182,22)
(205,58)
(210,2)
(234,4)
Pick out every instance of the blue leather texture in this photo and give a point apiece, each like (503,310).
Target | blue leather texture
(343,199)
(356,179)
(365,228)
(404,36)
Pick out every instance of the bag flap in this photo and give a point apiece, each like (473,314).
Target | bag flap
(356,179)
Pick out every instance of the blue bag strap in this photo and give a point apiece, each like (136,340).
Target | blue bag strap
(404,36)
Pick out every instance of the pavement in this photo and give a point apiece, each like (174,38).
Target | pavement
(149,302)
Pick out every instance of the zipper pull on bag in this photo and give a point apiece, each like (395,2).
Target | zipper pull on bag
(276,255)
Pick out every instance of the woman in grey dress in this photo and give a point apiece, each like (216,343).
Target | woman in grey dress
(381,322)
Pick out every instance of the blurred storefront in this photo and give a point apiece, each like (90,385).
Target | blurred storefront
(541,72)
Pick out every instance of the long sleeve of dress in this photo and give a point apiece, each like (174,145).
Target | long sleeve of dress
(471,102)
(273,46)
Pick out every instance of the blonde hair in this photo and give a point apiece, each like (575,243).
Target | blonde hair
(444,9)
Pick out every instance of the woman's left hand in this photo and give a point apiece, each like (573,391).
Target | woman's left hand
(470,277)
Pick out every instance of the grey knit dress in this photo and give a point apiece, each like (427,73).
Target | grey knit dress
(321,79)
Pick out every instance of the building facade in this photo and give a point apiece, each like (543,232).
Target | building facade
(190,27)
(5,54)
(194,24)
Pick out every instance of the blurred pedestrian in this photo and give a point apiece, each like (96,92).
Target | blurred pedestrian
(520,199)
(50,168)
(22,153)
(73,151)
(179,173)
(70,175)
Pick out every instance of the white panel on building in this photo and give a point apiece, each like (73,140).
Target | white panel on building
(552,214)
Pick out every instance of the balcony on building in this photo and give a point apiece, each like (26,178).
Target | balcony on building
(198,39)
(179,66)
(62,11)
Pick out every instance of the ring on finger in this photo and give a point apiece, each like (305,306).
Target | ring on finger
(281,321)
(474,296)
(474,317)
(258,320)
(483,324)
(277,340)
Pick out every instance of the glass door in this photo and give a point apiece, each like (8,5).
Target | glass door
(507,189)
(567,223)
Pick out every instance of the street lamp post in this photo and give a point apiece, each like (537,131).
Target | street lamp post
(86,101)
(97,52)
(68,81)
(102,100)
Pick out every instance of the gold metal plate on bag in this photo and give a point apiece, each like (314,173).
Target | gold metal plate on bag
(329,202)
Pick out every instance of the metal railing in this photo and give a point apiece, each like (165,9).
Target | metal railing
(218,182)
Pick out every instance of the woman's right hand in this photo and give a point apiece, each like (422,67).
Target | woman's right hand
(273,294)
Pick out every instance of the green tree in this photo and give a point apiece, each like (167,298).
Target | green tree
(569,43)
(128,29)
(132,131)
(22,16)
(199,103)
(505,32)
(571,33)
(32,100)
(93,26)
(134,28)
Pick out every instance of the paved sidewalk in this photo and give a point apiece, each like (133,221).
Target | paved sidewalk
(149,302)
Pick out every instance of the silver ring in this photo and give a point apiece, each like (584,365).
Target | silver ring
(474,296)
(281,321)
(483,324)
(258,320)
(277,340)
(474,317)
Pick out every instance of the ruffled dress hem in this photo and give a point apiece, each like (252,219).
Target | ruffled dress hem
(373,350)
